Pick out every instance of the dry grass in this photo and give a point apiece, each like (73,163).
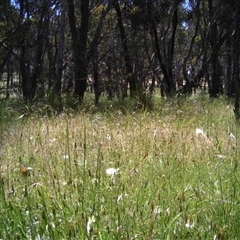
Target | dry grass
(173,182)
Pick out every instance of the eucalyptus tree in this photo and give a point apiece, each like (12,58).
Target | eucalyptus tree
(79,43)
(143,57)
(34,17)
(97,19)
(5,21)
(236,58)
(163,17)
(10,30)
(79,14)
(212,28)
(217,37)
(194,15)
(56,56)
(130,77)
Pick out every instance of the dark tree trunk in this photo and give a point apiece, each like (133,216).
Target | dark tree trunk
(189,84)
(130,77)
(25,71)
(24,63)
(160,59)
(216,41)
(229,80)
(166,64)
(171,46)
(215,78)
(236,58)
(79,38)
(59,62)
(36,75)
(152,85)
(97,87)
(97,35)
(32,69)
(5,60)
(8,81)
(214,87)
(110,85)
(51,65)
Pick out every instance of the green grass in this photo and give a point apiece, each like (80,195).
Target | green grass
(172,184)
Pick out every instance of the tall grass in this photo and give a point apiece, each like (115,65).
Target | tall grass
(168,182)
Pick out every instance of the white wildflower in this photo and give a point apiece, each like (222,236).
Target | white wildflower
(155,132)
(168,211)
(64,183)
(21,116)
(199,131)
(220,156)
(66,157)
(120,198)
(94,180)
(189,224)
(90,223)
(108,137)
(53,140)
(112,172)
(232,136)
(157,210)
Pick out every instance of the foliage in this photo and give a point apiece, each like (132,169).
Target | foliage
(117,47)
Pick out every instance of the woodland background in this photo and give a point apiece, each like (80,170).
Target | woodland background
(116,119)
(53,49)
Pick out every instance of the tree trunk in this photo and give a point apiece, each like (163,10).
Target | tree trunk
(97,35)
(166,64)
(188,85)
(59,62)
(171,85)
(130,77)
(97,88)
(229,80)
(236,49)
(24,63)
(79,39)
(216,41)
(215,78)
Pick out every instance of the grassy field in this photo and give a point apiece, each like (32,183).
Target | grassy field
(114,172)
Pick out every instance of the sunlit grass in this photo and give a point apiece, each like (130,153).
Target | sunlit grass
(165,180)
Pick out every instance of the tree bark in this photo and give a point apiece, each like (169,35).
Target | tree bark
(24,62)
(36,75)
(229,80)
(236,58)
(216,41)
(188,85)
(79,38)
(171,85)
(59,62)
(166,64)
(130,77)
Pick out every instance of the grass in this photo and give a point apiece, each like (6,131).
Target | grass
(171,183)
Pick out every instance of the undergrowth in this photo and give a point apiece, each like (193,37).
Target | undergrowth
(117,172)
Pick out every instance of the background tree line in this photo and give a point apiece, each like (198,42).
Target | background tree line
(121,47)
